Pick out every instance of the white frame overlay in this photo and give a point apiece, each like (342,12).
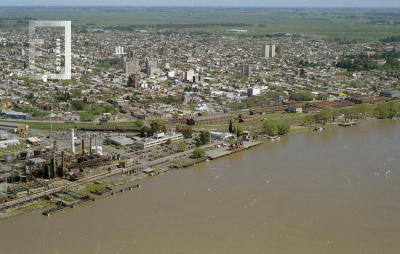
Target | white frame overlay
(33,53)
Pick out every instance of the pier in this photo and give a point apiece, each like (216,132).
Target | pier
(217,153)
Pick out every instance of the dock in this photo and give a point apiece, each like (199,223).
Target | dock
(85,200)
(218,153)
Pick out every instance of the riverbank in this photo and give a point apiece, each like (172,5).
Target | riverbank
(122,178)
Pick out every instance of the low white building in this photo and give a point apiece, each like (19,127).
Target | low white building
(158,139)
(221,135)
(11,142)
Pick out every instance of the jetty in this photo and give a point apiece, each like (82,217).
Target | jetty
(217,153)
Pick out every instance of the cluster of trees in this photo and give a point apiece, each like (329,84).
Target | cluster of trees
(360,62)
(125,28)
(35,112)
(198,25)
(204,138)
(272,128)
(198,153)
(109,63)
(392,39)
(301,96)
(157,125)
(237,129)
(358,111)
(187,131)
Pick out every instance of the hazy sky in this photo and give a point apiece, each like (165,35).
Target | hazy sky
(230,3)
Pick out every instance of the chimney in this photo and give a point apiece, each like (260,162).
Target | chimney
(62,161)
(83,147)
(95,143)
(54,165)
(72,141)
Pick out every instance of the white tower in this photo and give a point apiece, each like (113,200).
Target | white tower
(265,51)
(72,141)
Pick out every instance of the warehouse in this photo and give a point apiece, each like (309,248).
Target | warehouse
(13,127)
(15,115)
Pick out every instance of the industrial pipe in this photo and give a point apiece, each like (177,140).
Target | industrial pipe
(83,147)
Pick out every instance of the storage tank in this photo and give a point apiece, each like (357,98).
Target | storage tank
(8,158)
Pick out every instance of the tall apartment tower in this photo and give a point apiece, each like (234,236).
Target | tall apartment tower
(265,51)
(119,50)
(130,53)
(246,70)
(129,65)
(272,50)
(279,50)
(151,65)
(189,75)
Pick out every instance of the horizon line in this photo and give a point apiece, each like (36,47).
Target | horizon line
(205,6)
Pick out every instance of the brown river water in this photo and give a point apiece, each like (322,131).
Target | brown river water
(334,191)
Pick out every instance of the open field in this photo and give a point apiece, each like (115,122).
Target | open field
(336,24)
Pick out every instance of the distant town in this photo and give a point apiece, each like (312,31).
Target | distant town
(142,101)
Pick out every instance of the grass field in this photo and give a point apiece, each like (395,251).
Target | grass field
(337,24)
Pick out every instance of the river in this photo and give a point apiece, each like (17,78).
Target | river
(334,191)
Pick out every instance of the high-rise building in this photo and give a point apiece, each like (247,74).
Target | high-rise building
(151,63)
(279,50)
(119,50)
(189,75)
(129,65)
(265,51)
(246,71)
(130,53)
(164,50)
(133,80)
(272,50)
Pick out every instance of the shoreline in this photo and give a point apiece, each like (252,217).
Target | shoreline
(140,176)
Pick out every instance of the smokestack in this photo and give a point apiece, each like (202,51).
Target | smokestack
(62,161)
(95,143)
(54,165)
(83,147)
(90,146)
(72,141)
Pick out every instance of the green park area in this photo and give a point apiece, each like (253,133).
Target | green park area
(342,25)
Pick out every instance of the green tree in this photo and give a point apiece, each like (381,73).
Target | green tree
(107,141)
(178,128)
(325,114)
(335,113)
(175,115)
(84,116)
(79,105)
(283,128)
(108,109)
(77,92)
(309,119)
(270,127)
(239,130)
(205,137)
(169,141)
(182,146)
(198,153)
(97,111)
(139,123)
(146,131)
(199,143)
(187,132)
(230,127)
(383,113)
